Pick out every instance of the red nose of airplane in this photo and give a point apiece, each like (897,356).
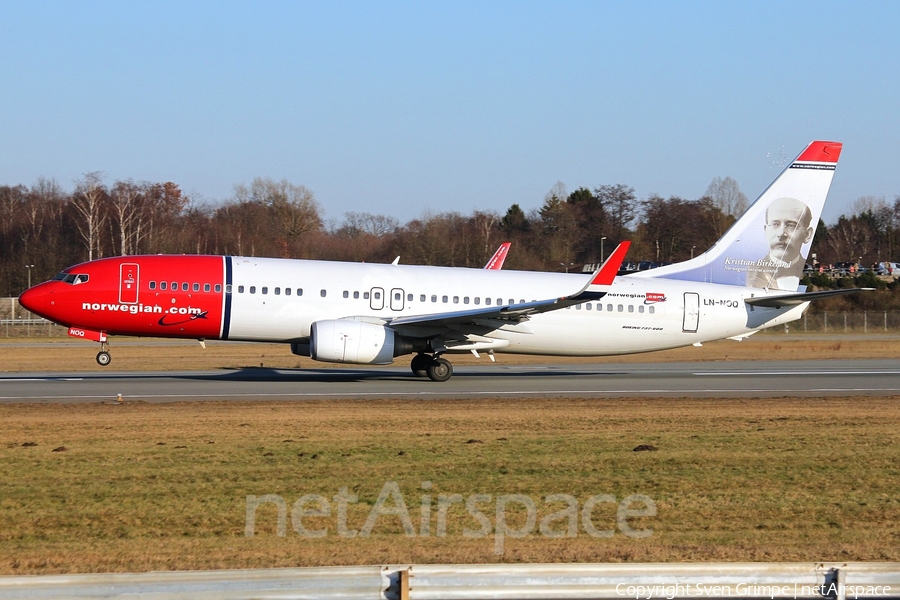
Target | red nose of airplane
(34,299)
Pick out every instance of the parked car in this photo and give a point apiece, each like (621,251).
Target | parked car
(888,268)
(843,268)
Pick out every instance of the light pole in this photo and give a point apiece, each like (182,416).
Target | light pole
(601,249)
(692,251)
(566,266)
(28,268)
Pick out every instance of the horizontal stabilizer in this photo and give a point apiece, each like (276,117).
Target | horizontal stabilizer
(795,299)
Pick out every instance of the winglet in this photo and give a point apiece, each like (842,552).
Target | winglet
(608,270)
(496,261)
(602,277)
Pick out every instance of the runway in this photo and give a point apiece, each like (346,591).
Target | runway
(766,379)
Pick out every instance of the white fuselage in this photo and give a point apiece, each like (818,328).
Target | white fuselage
(636,315)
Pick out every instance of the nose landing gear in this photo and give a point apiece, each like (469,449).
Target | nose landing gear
(103,357)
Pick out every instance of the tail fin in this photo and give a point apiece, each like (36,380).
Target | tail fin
(496,261)
(768,245)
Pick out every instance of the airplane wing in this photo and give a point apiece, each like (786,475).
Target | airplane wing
(495,317)
(496,261)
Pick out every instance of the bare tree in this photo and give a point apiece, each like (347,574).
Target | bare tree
(619,205)
(727,196)
(293,208)
(851,238)
(125,208)
(363,223)
(87,201)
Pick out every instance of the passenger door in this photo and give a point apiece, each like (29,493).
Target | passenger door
(128,283)
(691,312)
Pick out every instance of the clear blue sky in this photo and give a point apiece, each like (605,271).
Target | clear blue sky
(405,108)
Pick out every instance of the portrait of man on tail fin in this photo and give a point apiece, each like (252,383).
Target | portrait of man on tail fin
(788,227)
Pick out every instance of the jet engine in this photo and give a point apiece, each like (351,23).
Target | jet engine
(350,341)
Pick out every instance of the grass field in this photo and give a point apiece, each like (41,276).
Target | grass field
(135,487)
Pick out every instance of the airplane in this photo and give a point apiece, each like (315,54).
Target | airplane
(360,313)
(495,263)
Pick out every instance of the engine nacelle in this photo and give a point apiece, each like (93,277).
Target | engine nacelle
(349,341)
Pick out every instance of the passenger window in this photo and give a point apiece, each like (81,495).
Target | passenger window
(163,285)
(499,301)
(152,285)
(240,289)
(346,294)
(174,286)
(265,290)
(651,309)
(287,291)
(409,297)
(455,299)
(184,286)
(422,298)
(356,295)
(577,307)
(196,287)
(587,306)
(631,308)
(323,293)
(487,301)
(278,291)
(609,307)
(252,289)
(378,295)
(205,287)
(620,308)
(365,295)
(477,300)
(299,291)
(444,299)
(466,300)
(640,308)
(434,297)
(398,296)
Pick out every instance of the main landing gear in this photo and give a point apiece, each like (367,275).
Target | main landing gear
(433,367)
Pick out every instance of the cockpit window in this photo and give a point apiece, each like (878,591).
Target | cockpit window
(72,278)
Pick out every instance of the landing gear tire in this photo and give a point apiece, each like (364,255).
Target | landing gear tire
(419,365)
(103,358)
(440,369)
